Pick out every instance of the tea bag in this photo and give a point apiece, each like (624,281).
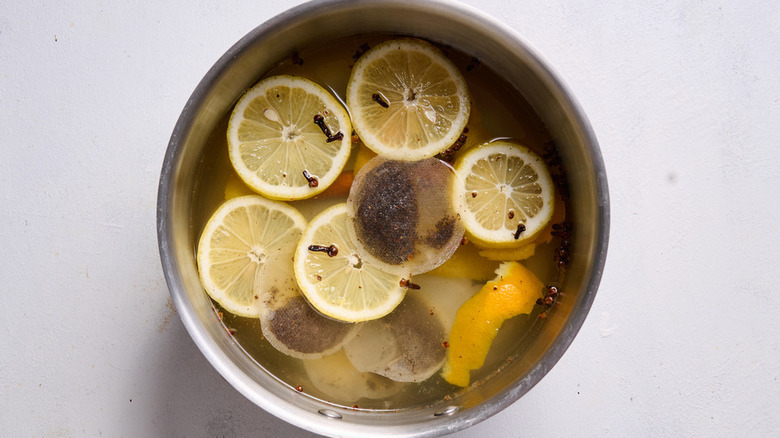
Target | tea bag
(405,346)
(402,216)
(293,327)
(335,376)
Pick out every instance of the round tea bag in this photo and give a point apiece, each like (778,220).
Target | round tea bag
(405,346)
(293,327)
(401,214)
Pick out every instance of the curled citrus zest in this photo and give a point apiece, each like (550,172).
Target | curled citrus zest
(513,292)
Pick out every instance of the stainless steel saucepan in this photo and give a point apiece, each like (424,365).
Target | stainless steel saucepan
(443,21)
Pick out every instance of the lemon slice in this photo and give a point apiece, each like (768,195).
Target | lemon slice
(241,249)
(288,138)
(407,100)
(334,278)
(506,194)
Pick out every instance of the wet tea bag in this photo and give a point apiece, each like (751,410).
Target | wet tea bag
(293,327)
(405,346)
(334,375)
(402,214)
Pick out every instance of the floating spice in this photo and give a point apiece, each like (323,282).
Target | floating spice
(296,59)
(474,63)
(378,99)
(331,250)
(549,296)
(448,154)
(520,229)
(313,182)
(562,230)
(555,164)
(408,284)
(320,121)
(360,51)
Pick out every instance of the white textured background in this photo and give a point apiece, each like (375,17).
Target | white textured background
(684,335)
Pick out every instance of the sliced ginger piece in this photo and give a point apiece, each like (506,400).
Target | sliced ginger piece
(513,292)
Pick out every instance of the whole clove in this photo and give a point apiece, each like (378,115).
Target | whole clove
(408,284)
(320,121)
(378,99)
(520,229)
(313,181)
(331,250)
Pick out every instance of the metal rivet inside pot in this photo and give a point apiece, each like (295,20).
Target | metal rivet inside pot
(330,414)
(449,410)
